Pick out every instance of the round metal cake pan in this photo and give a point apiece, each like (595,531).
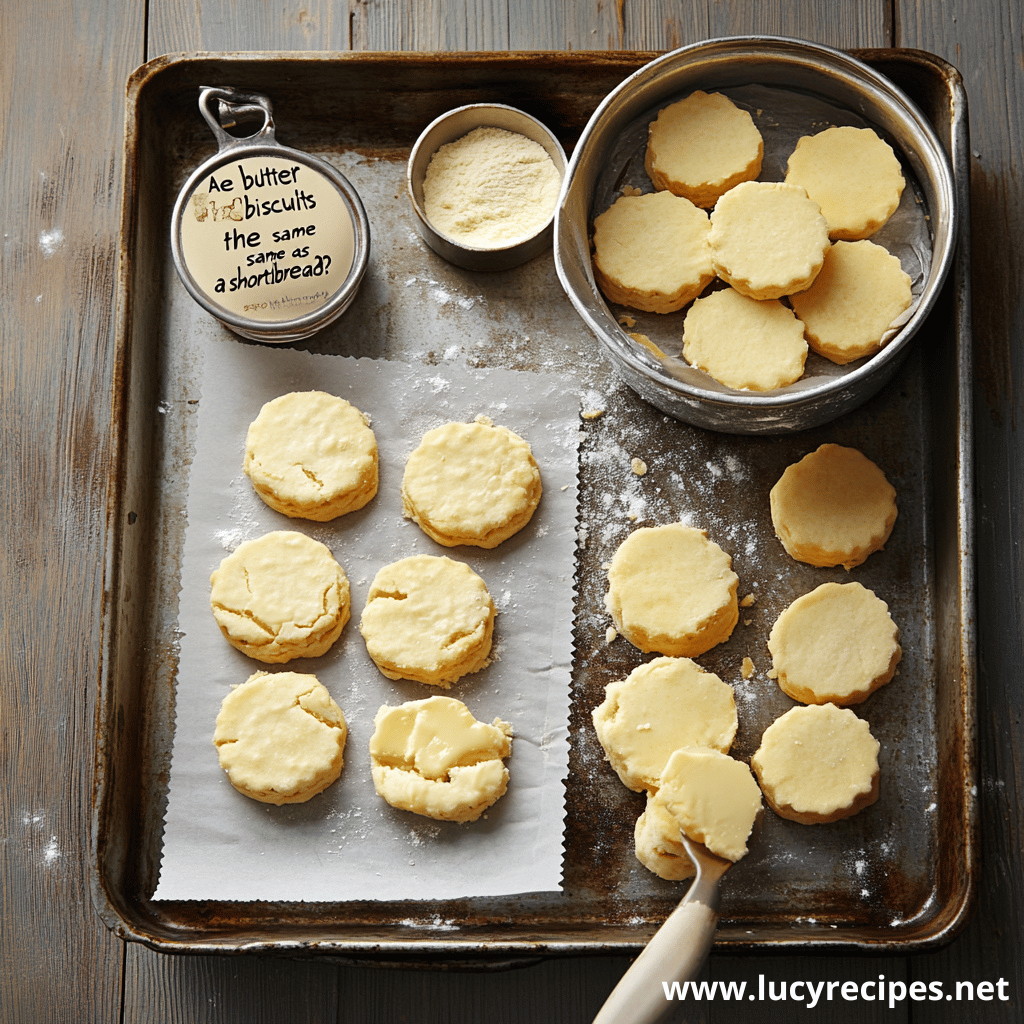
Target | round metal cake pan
(613,142)
(451,126)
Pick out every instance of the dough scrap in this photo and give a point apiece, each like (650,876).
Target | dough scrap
(659,707)
(657,843)
(817,764)
(833,507)
(713,797)
(756,344)
(651,252)
(280,737)
(768,239)
(855,301)
(280,596)
(701,146)
(432,757)
(311,455)
(852,174)
(471,483)
(672,590)
(428,618)
(835,645)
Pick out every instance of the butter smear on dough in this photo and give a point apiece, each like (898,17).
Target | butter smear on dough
(491,188)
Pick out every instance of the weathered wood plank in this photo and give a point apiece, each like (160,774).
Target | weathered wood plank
(62,76)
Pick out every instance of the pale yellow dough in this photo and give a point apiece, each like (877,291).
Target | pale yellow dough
(428,618)
(651,252)
(837,644)
(672,590)
(713,797)
(471,483)
(852,174)
(833,507)
(701,146)
(659,707)
(855,301)
(818,764)
(658,845)
(432,757)
(280,737)
(311,455)
(744,343)
(280,596)
(768,239)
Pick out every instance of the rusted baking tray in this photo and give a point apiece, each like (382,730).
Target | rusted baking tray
(898,877)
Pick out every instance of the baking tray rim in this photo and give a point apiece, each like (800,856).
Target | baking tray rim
(124,913)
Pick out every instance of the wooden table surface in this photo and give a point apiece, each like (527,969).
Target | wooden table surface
(62,92)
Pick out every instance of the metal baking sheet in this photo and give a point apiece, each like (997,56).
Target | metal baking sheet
(899,877)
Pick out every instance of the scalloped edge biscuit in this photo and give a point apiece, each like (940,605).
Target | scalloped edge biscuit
(701,146)
(852,174)
(311,455)
(834,645)
(657,844)
(280,596)
(471,483)
(651,252)
(768,239)
(833,507)
(818,764)
(280,737)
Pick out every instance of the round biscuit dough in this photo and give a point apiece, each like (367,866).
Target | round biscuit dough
(659,707)
(701,146)
(818,764)
(280,596)
(837,644)
(852,174)
(657,843)
(744,343)
(860,295)
(311,455)
(768,239)
(428,618)
(833,507)
(280,737)
(471,483)
(651,252)
(432,757)
(672,590)
(713,797)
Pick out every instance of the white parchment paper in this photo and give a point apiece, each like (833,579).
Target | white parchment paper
(346,843)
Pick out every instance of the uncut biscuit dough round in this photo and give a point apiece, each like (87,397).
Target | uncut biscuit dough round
(432,757)
(311,455)
(651,252)
(428,618)
(833,507)
(280,737)
(659,707)
(701,146)
(280,596)
(713,797)
(753,344)
(657,843)
(471,483)
(768,239)
(858,297)
(837,644)
(818,764)
(672,590)
(852,174)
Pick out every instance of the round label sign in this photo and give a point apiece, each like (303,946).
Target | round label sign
(267,237)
